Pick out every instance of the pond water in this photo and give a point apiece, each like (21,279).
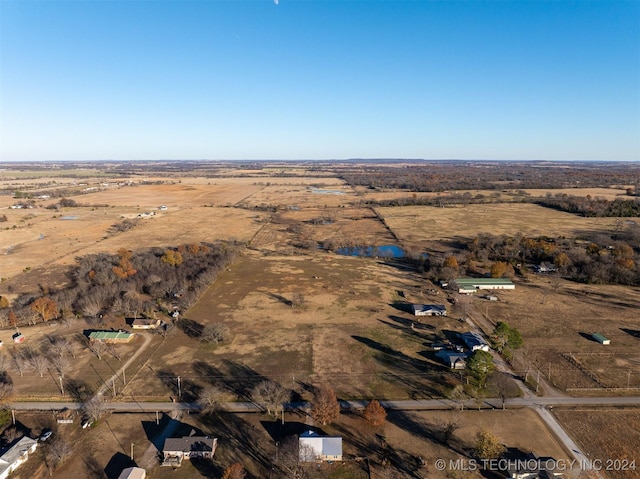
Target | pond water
(319,191)
(385,251)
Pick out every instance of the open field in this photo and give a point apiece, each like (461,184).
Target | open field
(415,224)
(615,452)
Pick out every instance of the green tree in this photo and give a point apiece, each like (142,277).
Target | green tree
(505,337)
(481,365)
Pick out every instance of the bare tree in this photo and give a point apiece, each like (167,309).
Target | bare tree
(39,362)
(459,395)
(448,426)
(10,434)
(94,407)
(288,458)
(57,451)
(114,351)
(504,385)
(215,333)
(210,397)
(61,364)
(325,407)
(20,362)
(97,348)
(270,395)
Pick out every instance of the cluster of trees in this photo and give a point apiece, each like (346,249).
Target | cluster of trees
(127,283)
(602,258)
(592,207)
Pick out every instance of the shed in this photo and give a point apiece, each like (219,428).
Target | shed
(600,338)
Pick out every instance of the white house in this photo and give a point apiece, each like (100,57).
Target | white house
(313,447)
(429,310)
(16,455)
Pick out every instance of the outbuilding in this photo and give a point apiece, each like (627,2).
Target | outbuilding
(600,338)
(429,310)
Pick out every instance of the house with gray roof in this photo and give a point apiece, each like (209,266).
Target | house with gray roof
(176,449)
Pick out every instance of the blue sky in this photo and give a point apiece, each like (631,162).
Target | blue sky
(306,79)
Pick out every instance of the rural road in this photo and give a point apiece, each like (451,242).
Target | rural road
(405,405)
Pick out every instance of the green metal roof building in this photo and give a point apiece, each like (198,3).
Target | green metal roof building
(470,285)
(111,336)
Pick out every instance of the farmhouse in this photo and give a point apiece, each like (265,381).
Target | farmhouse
(474,341)
(313,447)
(453,359)
(178,448)
(471,285)
(111,336)
(429,310)
(600,338)
(145,323)
(16,455)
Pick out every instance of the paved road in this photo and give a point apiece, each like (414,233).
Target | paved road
(408,405)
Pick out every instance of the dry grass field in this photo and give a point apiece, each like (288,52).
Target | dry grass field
(352,330)
(417,224)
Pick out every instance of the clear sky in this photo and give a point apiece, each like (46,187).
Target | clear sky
(307,79)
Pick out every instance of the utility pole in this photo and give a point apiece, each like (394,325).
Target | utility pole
(13,416)
(132,452)
(179,389)
(629,379)
(61,385)
(538,381)
(157,419)
(124,376)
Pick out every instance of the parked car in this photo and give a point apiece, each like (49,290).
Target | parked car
(46,434)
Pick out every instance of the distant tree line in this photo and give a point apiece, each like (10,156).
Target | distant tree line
(126,283)
(592,207)
(442,176)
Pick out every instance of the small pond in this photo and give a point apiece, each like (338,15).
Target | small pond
(385,251)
